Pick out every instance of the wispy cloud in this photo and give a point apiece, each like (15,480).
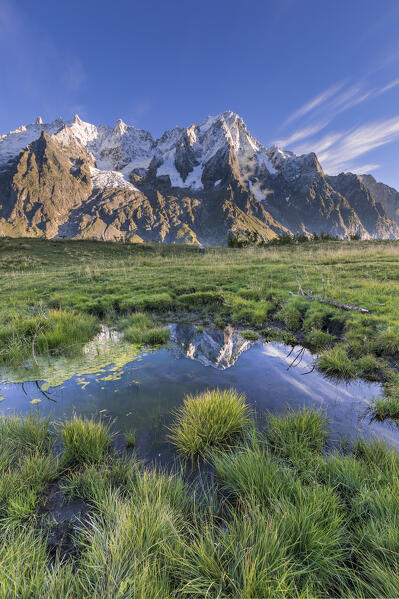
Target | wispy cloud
(389,86)
(314,103)
(301,134)
(356,94)
(339,150)
(364,168)
(323,109)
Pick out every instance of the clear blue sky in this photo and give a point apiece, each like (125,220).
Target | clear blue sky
(310,74)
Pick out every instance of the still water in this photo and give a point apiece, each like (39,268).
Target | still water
(142,393)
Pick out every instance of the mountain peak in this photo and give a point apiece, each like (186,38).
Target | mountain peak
(230,115)
(269,190)
(120,127)
(39,121)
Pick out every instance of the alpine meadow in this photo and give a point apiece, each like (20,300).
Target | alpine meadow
(199,300)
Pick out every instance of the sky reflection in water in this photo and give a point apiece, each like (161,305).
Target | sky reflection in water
(143,393)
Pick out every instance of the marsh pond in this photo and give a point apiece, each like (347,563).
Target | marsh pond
(139,389)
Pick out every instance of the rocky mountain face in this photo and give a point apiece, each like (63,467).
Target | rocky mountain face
(199,184)
(385,195)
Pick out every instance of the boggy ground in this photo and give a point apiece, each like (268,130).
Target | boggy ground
(55,293)
(247,515)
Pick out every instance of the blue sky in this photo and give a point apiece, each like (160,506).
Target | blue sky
(311,75)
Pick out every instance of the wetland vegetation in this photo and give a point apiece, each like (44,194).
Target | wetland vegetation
(268,514)
(56,294)
(241,510)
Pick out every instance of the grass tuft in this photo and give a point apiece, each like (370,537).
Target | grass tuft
(306,427)
(252,473)
(336,363)
(23,435)
(250,335)
(130,438)
(384,408)
(141,330)
(211,419)
(85,440)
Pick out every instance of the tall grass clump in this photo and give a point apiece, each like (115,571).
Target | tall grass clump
(65,331)
(294,548)
(375,538)
(313,529)
(141,329)
(252,474)
(347,475)
(298,437)
(290,315)
(387,342)
(53,332)
(380,459)
(23,435)
(126,547)
(318,340)
(22,488)
(384,408)
(26,569)
(211,419)
(336,363)
(85,440)
(244,557)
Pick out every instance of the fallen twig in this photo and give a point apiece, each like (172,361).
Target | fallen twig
(348,307)
(314,298)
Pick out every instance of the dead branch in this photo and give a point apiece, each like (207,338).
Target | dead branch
(45,394)
(298,358)
(309,371)
(348,307)
(323,300)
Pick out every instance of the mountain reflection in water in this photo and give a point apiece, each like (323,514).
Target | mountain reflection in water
(210,346)
(143,393)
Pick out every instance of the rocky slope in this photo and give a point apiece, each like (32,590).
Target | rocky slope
(385,195)
(199,184)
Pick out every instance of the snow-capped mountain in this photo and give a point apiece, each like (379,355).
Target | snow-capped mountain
(200,184)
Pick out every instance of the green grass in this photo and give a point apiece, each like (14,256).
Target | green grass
(130,438)
(140,329)
(210,419)
(26,570)
(250,335)
(22,338)
(318,340)
(22,436)
(257,528)
(305,428)
(384,408)
(252,473)
(387,342)
(336,363)
(85,440)
(200,299)
(290,316)
(79,284)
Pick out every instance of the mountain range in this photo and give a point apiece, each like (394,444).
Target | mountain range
(202,184)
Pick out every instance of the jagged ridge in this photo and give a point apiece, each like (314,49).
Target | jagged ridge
(192,185)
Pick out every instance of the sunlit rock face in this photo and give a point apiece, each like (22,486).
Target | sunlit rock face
(210,346)
(204,184)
